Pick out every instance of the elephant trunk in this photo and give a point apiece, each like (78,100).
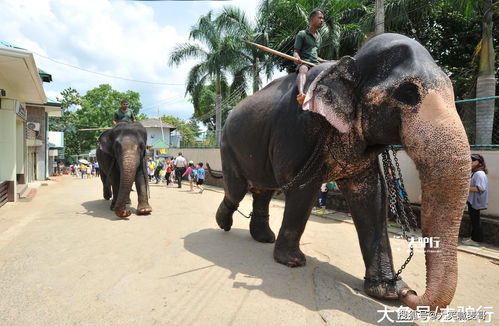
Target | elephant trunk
(129,164)
(437,143)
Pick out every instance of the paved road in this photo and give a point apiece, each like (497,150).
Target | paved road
(65,259)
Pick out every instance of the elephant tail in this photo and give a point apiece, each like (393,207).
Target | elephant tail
(212,173)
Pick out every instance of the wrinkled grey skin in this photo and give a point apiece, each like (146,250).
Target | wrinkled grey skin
(391,92)
(121,155)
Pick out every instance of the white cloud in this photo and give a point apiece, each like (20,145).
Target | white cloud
(110,37)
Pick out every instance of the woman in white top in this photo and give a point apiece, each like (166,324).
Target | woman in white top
(477,198)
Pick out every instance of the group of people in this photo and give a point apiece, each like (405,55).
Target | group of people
(85,171)
(174,170)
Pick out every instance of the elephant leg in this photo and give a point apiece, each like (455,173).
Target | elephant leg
(143,206)
(299,203)
(259,224)
(106,188)
(365,194)
(236,188)
(114,175)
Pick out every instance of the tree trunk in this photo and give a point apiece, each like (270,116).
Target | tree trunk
(379,21)
(218,111)
(485,87)
(486,83)
(256,75)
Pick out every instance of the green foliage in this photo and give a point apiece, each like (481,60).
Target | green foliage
(188,129)
(93,110)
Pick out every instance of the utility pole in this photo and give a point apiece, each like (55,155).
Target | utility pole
(379,21)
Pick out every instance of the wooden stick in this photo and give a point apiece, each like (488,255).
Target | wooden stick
(283,55)
(95,129)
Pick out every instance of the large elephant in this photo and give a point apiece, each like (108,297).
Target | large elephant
(121,155)
(391,92)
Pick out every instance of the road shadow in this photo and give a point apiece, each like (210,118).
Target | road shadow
(335,292)
(100,208)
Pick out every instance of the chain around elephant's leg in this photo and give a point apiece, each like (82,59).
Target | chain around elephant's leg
(259,224)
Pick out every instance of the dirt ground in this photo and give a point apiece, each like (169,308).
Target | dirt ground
(65,259)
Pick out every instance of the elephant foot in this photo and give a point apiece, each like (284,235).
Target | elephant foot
(224,216)
(123,213)
(261,231)
(144,209)
(385,289)
(291,257)
(113,203)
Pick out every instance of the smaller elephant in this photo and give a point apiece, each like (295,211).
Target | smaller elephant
(121,153)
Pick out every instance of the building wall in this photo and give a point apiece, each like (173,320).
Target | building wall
(8,136)
(409,172)
(153,134)
(37,114)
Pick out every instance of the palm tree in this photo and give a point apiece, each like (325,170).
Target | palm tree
(252,61)
(486,81)
(341,33)
(217,54)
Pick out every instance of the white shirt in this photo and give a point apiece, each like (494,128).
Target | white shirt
(180,162)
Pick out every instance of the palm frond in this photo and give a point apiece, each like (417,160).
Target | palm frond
(185,51)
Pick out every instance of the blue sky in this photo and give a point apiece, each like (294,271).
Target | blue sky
(129,39)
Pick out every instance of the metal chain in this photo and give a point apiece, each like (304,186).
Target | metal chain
(398,205)
(313,164)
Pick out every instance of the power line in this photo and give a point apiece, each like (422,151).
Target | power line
(105,75)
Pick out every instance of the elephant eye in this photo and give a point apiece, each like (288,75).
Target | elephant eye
(407,93)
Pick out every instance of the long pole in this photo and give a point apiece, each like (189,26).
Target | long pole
(283,55)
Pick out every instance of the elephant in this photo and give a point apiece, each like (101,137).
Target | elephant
(121,154)
(390,92)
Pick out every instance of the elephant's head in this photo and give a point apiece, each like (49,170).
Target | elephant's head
(392,92)
(126,144)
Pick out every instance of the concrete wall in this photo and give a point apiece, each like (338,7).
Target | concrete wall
(8,134)
(409,172)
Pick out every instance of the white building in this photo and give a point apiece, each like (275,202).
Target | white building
(158,136)
(24,114)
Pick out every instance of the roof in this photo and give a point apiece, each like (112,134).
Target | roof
(156,123)
(160,144)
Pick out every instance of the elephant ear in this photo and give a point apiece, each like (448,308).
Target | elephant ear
(331,94)
(106,142)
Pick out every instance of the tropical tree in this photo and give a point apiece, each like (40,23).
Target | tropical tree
(486,81)
(341,33)
(252,61)
(97,109)
(217,54)
(188,130)
(70,100)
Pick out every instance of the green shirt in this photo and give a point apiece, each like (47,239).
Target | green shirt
(126,116)
(308,46)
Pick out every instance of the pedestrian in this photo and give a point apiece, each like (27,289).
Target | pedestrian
(150,169)
(97,169)
(200,182)
(123,114)
(306,47)
(89,171)
(322,199)
(168,171)
(157,171)
(83,170)
(189,173)
(477,198)
(180,167)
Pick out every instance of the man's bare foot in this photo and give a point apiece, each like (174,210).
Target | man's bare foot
(300,98)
